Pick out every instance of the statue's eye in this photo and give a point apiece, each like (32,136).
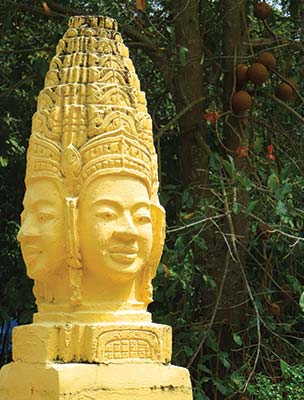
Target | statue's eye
(142,218)
(45,217)
(107,215)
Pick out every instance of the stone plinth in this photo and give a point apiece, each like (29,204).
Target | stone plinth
(22,381)
(95,343)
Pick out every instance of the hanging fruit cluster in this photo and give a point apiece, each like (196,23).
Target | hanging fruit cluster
(258,72)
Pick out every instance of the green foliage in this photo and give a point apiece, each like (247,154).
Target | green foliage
(289,386)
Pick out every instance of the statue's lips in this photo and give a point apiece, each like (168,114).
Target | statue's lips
(125,255)
(31,252)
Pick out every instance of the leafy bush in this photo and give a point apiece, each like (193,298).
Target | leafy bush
(290,386)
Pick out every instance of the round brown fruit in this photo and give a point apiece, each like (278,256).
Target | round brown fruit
(241,74)
(293,84)
(258,73)
(262,10)
(241,101)
(284,91)
(274,309)
(266,58)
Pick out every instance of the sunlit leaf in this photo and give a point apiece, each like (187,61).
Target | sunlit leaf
(237,338)
(284,366)
(302,302)
(183,55)
(46,8)
(141,5)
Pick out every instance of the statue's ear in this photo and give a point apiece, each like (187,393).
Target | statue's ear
(145,289)
(159,231)
(73,250)
(73,246)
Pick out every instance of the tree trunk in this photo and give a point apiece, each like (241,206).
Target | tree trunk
(231,316)
(188,89)
(235,134)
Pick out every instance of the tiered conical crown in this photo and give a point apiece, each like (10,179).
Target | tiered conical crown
(91,117)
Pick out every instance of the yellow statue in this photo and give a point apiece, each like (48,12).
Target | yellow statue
(92,233)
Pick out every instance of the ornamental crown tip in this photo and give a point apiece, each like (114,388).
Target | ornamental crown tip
(93,21)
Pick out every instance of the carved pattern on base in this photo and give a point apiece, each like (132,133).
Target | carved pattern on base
(128,344)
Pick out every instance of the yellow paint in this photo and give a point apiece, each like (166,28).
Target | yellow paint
(92,233)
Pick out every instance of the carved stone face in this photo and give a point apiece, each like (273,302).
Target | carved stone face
(115,227)
(42,233)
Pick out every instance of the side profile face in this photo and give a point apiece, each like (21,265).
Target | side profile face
(115,227)
(42,234)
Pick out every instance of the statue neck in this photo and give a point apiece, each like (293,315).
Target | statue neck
(102,301)
(108,291)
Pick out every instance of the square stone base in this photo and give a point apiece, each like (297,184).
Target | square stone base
(26,381)
(92,343)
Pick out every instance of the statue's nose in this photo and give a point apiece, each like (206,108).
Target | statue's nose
(28,230)
(127,228)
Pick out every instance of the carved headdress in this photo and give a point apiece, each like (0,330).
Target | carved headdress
(91,116)
(91,120)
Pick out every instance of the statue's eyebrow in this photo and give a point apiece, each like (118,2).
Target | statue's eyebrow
(140,204)
(36,203)
(119,205)
(113,203)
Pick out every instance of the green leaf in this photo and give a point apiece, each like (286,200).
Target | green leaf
(294,283)
(188,351)
(229,167)
(284,367)
(179,244)
(285,189)
(200,396)
(183,55)
(212,344)
(187,199)
(301,302)
(203,368)
(237,380)
(214,161)
(224,359)
(236,208)
(211,282)
(273,182)
(280,209)
(258,145)
(170,186)
(201,243)
(3,161)
(221,387)
(244,181)
(237,338)
(251,205)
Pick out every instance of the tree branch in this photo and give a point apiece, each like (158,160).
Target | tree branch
(158,55)
(283,104)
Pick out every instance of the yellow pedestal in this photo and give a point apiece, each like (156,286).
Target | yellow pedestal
(92,343)
(23,381)
(115,361)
